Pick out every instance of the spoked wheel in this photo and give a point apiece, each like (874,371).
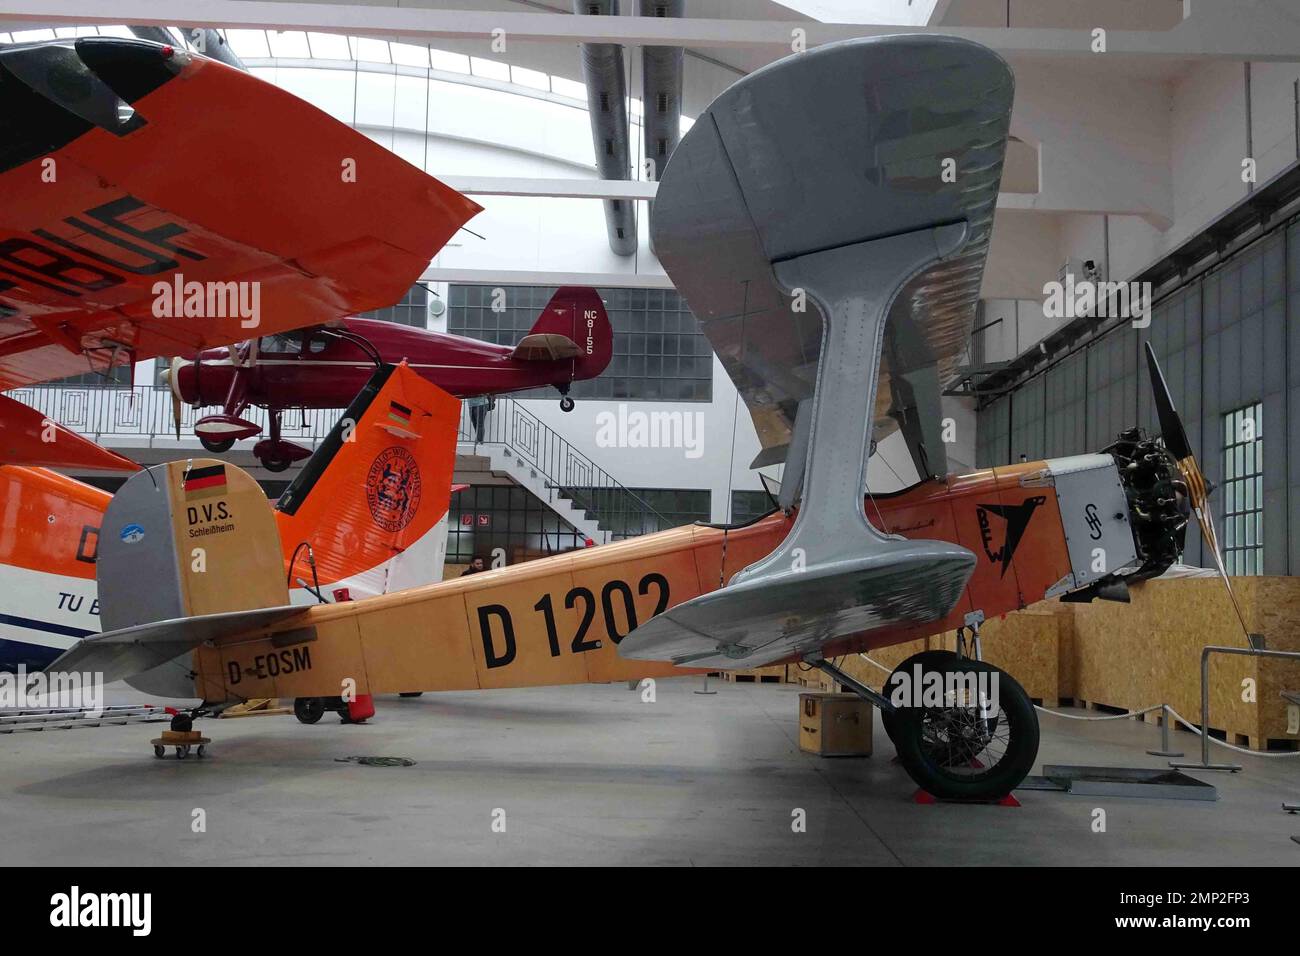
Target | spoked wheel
(217,447)
(928,660)
(979,744)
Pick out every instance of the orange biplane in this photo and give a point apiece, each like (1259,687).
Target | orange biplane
(817,178)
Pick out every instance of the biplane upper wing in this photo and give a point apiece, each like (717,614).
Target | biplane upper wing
(821,179)
(872,164)
(157,202)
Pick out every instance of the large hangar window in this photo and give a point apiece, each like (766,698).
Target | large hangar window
(505,522)
(410,311)
(1243,490)
(660,354)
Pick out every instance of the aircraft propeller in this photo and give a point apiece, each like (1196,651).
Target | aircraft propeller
(170,378)
(1198,488)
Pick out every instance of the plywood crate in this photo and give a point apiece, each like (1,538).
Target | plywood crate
(835,725)
(1149,652)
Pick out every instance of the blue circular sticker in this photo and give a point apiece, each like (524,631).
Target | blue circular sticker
(132,533)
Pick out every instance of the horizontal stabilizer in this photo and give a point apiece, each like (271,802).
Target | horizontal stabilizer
(124,653)
(28,437)
(545,347)
(760,621)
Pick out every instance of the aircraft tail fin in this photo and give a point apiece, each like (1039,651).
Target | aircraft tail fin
(574,325)
(369,509)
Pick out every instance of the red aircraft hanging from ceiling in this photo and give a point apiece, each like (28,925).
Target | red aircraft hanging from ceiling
(154,203)
(324,366)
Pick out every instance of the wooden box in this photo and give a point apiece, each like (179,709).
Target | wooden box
(834,725)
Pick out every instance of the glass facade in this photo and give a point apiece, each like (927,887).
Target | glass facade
(412,310)
(1243,490)
(748,505)
(660,354)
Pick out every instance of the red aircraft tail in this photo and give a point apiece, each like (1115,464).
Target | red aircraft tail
(577,314)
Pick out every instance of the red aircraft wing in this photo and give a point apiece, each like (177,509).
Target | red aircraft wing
(133,171)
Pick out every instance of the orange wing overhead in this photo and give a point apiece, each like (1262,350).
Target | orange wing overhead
(128,170)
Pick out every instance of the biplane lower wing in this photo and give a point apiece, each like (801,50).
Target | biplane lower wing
(799,611)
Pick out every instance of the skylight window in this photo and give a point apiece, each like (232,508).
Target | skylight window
(329,46)
(290,43)
(248,44)
(913,13)
(489,69)
(449,62)
(408,54)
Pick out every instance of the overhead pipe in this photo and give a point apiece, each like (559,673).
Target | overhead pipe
(602,71)
(209,42)
(661,90)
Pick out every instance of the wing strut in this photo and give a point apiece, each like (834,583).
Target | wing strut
(834,574)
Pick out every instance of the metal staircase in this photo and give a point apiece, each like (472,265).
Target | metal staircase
(519,444)
(516,443)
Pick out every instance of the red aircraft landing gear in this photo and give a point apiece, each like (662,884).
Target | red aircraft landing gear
(217,447)
(275,453)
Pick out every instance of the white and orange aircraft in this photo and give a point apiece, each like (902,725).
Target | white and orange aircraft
(817,178)
(149,195)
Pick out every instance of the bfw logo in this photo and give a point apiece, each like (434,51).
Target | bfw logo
(77,909)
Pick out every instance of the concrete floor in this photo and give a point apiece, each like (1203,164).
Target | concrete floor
(592,775)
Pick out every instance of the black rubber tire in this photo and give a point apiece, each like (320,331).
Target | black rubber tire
(217,447)
(308,710)
(411,693)
(992,782)
(927,659)
(159,752)
(276,465)
(345,716)
(566,404)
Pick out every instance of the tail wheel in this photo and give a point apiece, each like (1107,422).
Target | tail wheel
(276,465)
(979,744)
(566,404)
(217,447)
(308,710)
(927,660)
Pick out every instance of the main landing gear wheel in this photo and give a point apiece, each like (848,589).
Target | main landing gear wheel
(308,710)
(275,465)
(973,747)
(928,660)
(566,404)
(217,447)
(411,693)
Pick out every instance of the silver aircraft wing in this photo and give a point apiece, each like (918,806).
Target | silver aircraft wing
(849,141)
(825,211)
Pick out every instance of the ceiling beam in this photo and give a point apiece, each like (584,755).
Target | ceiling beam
(547,277)
(544,186)
(1213,31)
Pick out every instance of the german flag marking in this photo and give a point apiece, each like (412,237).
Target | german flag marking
(204,482)
(399,414)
